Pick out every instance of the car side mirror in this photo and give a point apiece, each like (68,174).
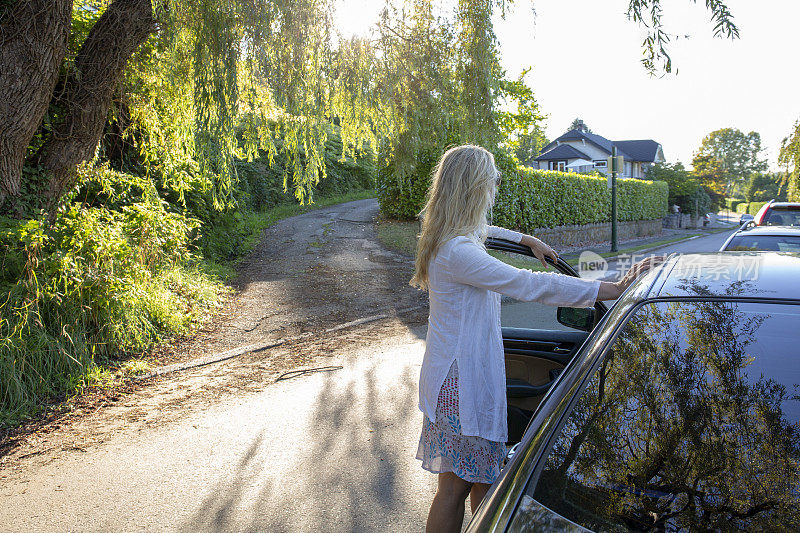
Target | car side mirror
(576,318)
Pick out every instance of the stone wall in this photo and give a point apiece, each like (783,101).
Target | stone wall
(574,235)
(686,220)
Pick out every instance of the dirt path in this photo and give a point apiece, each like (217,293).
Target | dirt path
(310,272)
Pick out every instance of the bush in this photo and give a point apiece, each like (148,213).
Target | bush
(699,203)
(90,286)
(741,208)
(682,185)
(731,203)
(754,207)
(404,197)
(530,198)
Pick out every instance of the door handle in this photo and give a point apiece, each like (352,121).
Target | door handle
(562,350)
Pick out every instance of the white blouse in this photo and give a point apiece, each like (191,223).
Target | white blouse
(464,286)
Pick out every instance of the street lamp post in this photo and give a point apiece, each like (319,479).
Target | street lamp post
(614,165)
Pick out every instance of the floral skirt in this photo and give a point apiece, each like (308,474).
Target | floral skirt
(442,447)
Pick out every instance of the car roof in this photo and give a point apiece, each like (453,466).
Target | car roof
(779,205)
(762,275)
(769,230)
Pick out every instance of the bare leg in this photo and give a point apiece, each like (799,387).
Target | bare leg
(447,510)
(477,493)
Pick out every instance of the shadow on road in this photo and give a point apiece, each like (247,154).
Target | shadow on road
(351,475)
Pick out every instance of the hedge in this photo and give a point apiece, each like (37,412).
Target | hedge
(754,207)
(530,199)
(731,203)
(742,208)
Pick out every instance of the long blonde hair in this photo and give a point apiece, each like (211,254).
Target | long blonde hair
(460,194)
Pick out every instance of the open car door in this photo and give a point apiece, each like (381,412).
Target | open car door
(539,340)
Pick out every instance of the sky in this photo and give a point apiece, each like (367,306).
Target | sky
(585,58)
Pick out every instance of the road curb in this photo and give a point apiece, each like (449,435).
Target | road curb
(260,346)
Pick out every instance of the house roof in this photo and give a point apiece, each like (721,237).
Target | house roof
(642,150)
(637,150)
(561,152)
(580,135)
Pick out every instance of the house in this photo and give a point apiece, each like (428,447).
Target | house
(581,151)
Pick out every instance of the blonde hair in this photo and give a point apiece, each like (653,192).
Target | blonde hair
(461,192)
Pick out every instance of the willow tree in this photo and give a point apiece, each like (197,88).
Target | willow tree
(790,158)
(260,68)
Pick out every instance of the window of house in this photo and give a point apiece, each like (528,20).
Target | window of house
(562,166)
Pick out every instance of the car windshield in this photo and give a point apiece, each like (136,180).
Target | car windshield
(783,217)
(690,423)
(779,243)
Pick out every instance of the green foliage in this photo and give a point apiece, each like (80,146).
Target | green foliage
(647,13)
(579,124)
(684,189)
(523,125)
(440,84)
(731,203)
(754,207)
(749,207)
(682,185)
(530,199)
(762,187)
(790,157)
(726,158)
(260,188)
(92,285)
(699,202)
(403,198)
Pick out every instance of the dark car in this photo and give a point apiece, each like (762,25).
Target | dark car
(764,238)
(677,411)
(779,214)
(746,217)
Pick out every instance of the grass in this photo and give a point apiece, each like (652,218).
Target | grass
(399,235)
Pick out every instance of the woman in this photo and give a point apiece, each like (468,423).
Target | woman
(462,381)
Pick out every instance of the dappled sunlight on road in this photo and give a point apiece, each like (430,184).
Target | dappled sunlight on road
(344,462)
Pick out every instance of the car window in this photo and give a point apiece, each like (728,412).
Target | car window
(782,217)
(690,423)
(532,315)
(778,243)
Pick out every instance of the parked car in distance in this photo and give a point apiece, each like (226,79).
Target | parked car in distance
(746,217)
(779,214)
(680,411)
(764,238)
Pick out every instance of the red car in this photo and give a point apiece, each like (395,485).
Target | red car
(779,214)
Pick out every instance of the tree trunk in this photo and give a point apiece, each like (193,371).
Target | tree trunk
(33,41)
(123,27)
